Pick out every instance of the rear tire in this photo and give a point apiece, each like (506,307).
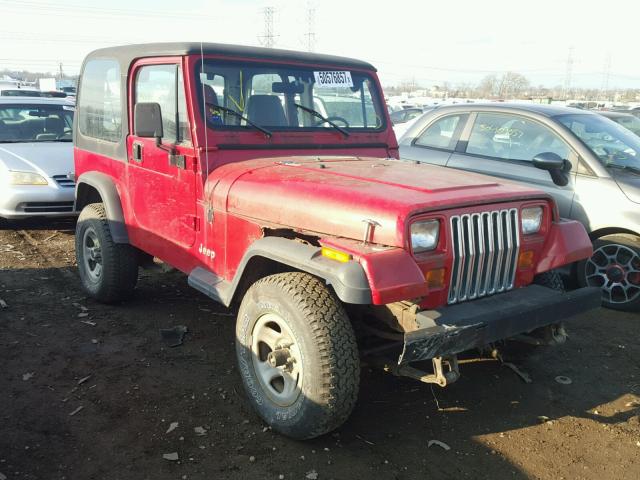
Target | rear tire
(614,267)
(294,319)
(108,270)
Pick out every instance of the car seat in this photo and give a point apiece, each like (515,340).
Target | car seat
(266,110)
(53,129)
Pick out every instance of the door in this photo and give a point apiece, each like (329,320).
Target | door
(162,177)
(436,142)
(504,145)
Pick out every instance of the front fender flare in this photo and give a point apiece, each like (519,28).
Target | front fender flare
(348,280)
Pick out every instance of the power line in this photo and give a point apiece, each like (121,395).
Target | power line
(267,39)
(311,27)
(568,73)
(606,74)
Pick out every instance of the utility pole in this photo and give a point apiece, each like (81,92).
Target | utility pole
(311,27)
(606,74)
(568,73)
(267,39)
(61,72)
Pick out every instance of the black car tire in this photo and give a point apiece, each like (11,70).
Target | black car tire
(108,270)
(615,264)
(323,365)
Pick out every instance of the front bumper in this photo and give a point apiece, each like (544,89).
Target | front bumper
(456,328)
(27,201)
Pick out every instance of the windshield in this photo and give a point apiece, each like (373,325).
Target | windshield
(267,96)
(630,122)
(35,123)
(614,145)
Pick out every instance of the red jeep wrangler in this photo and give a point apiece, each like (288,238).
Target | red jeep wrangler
(272,179)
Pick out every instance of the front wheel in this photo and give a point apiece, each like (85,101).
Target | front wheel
(615,268)
(108,270)
(297,355)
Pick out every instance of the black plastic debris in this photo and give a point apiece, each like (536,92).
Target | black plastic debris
(173,337)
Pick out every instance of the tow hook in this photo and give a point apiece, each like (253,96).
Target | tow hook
(445,371)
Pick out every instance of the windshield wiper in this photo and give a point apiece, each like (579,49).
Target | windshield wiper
(630,168)
(239,115)
(323,118)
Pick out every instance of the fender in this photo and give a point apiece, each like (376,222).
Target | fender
(108,192)
(348,280)
(566,243)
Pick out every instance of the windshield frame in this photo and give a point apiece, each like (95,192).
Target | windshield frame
(377,96)
(623,135)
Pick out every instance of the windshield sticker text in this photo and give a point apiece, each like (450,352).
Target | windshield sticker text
(333,79)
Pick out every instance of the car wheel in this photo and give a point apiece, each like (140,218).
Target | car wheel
(108,270)
(615,268)
(297,355)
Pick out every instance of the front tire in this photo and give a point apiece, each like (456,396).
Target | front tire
(108,270)
(615,268)
(297,355)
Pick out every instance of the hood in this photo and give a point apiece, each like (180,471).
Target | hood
(628,182)
(45,158)
(334,195)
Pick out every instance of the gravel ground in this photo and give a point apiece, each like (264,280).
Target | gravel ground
(89,391)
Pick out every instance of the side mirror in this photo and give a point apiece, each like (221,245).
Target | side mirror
(147,120)
(557,167)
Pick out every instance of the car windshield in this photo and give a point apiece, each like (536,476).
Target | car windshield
(35,123)
(267,96)
(614,145)
(630,122)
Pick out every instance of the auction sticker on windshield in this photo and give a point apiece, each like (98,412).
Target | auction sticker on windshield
(333,79)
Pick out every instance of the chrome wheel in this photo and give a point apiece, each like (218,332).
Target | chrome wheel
(92,254)
(615,269)
(276,359)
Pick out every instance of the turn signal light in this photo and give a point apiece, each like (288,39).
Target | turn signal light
(336,255)
(435,278)
(525,260)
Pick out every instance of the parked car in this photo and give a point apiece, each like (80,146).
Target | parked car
(627,120)
(12,91)
(36,157)
(516,141)
(306,221)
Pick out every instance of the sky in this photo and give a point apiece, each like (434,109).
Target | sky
(425,41)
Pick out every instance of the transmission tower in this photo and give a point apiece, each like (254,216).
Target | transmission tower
(568,73)
(606,74)
(267,39)
(311,27)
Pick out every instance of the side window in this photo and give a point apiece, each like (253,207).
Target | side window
(442,133)
(163,84)
(100,105)
(512,137)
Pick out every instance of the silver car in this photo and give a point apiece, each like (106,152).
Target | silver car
(588,163)
(36,157)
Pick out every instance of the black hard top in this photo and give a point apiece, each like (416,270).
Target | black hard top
(128,53)
(540,109)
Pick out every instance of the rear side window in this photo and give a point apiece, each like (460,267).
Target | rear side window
(443,133)
(100,103)
(163,84)
(512,137)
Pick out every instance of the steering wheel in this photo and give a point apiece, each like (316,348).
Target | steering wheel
(334,119)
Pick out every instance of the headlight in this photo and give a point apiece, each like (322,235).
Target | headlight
(26,178)
(531,220)
(424,236)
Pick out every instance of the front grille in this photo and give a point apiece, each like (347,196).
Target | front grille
(47,207)
(64,181)
(485,253)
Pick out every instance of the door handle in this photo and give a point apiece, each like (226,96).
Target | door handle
(137,152)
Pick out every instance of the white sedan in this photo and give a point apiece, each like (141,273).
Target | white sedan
(36,157)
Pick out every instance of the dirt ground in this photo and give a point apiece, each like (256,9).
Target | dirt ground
(63,353)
